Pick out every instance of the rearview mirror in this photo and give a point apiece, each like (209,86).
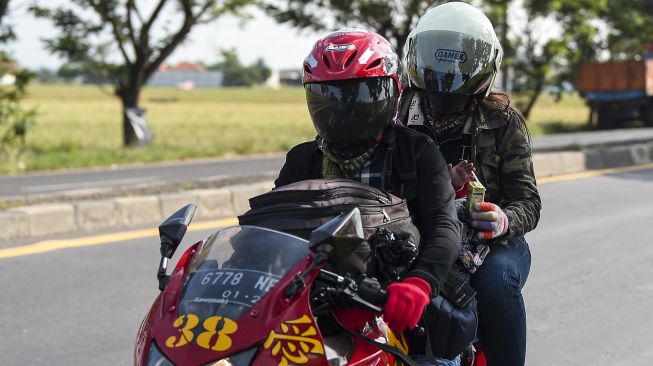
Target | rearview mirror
(339,237)
(335,240)
(171,232)
(173,229)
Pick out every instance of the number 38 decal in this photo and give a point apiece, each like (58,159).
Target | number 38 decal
(186,324)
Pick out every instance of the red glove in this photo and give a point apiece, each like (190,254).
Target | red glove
(406,302)
(490,220)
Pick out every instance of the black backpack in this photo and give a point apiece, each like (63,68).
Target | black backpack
(300,207)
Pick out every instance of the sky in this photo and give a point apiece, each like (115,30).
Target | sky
(280,46)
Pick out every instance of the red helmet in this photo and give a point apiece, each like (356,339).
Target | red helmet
(352,83)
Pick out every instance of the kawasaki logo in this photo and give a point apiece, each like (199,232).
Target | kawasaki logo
(445,55)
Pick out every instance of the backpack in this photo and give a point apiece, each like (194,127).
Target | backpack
(301,207)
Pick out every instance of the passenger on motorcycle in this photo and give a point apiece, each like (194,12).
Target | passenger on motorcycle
(352,83)
(452,58)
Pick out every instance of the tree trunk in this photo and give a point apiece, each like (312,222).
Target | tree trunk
(135,130)
(531,102)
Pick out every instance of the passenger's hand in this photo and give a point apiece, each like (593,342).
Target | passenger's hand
(460,174)
(406,302)
(490,220)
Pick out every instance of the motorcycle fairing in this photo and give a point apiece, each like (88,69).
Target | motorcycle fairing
(284,330)
(173,330)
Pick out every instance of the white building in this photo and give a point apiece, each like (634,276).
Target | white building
(186,75)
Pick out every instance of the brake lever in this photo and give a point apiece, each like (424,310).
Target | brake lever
(366,295)
(364,304)
(347,287)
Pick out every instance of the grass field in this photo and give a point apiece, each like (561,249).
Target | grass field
(81,126)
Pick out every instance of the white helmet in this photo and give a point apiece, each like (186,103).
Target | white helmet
(453,49)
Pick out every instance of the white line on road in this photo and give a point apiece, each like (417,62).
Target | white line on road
(92,184)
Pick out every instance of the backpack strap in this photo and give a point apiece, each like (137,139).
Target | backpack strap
(456,289)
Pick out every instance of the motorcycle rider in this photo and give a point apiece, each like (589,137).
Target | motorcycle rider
(352,83)
(452,58)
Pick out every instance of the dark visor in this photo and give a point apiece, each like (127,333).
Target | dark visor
(350,111)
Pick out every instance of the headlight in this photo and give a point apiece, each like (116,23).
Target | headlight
(156,358)
(223,363)
(338,349)
(243,358)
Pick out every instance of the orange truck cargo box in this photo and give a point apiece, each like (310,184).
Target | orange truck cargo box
(611,77)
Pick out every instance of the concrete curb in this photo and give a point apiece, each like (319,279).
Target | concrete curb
(124,212)
(144,189)
(568,162)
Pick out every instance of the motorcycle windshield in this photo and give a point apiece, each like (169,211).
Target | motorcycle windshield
(235,268)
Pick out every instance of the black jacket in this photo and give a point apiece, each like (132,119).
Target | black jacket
(418,173)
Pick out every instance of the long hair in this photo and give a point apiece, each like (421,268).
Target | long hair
(500,101)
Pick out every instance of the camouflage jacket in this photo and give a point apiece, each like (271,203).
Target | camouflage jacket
(501,152)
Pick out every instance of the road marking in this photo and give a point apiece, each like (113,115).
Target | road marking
(52,245)
(93,184)
(592,173)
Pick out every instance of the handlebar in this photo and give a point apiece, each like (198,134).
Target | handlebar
(370,290)
(367,294)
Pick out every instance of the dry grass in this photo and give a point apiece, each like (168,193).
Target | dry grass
(80,126)
(568,115)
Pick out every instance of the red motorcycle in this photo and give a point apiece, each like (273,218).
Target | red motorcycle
(252,296)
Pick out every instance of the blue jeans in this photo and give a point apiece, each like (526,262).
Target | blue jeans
(501,311)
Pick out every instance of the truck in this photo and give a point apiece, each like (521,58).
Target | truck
(618,93)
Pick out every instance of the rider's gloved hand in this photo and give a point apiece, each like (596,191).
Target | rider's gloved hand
(490,220)
(406,302)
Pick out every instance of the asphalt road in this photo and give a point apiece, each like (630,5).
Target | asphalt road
(67,181)
(180,171)
(589,295)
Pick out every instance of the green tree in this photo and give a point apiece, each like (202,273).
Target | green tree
(15,121)
(393,19)
(260,70)
(497,11)
(91,31)
(540,62)
(630,24)
(234,73)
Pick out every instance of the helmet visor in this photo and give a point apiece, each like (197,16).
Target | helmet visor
(450,62)
(350,111)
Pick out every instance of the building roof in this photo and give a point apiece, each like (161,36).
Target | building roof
(183,66)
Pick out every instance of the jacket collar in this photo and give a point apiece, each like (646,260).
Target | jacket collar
(480,118)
